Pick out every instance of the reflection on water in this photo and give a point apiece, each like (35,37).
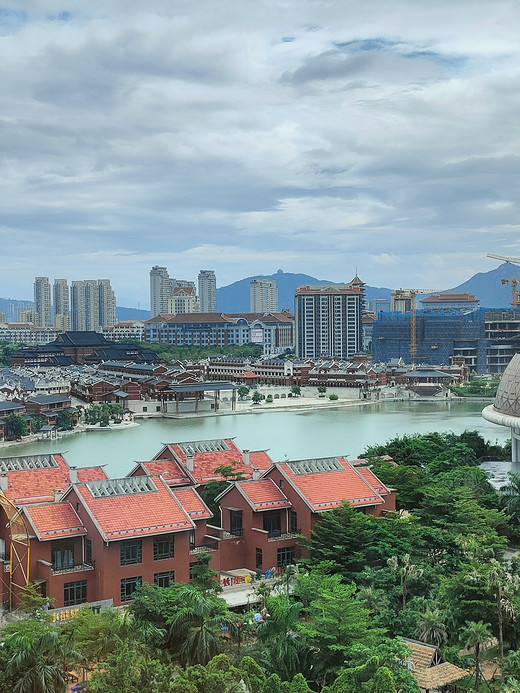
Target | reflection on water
(285,434)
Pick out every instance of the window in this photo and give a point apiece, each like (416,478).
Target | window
(236,527)
(294,522)
(128,586)
(285,556)
(259,559)
(88,552)
(131,552)
(272,523)
(62,554)
(163,547)
(164,579)
(74,593)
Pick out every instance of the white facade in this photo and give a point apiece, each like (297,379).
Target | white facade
(207,291)
(159,290)
(42,301)
(263,295)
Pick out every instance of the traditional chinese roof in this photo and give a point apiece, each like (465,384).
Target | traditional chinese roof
(54,521)
(132,507)
(263,494)
(35,478)
(324,483)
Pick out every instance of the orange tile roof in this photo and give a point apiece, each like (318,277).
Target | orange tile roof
(372,479)
(91,473)
(192,503)
(170,470)
(135,514)
(54,521)
(205,463)
(37,485)
(324,490)
(263,494)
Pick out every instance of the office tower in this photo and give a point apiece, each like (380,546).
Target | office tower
(328,321)
(2,317)
(60,304)
(263,295)
(42,301)
(160,290)
(207,291)
(107,304)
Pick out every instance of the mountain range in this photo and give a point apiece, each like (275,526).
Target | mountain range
(234,298)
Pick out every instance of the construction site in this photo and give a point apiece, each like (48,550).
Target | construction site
(447,328)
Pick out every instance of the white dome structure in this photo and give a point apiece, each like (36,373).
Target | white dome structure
(505,411)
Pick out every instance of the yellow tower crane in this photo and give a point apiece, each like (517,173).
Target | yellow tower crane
(515,281)
(408,295)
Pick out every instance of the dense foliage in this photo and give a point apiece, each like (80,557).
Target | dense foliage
(434,570)
(170,352)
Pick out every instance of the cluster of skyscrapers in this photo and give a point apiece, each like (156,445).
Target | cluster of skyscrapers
(89,304)
(173,296)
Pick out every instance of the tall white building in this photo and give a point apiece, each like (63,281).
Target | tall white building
(207,291)
(93,304)
(107,304)
(263,296)
(159,290)
(42,301)
(328,321)
(60,304)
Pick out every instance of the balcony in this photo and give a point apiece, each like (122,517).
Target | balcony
(276,535)
(78,568)
(203,548)
(237,532)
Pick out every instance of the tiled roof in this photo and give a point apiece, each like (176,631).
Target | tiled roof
(171,471)
(205,463)
(325,490)
(192,503)
(133,514)
(55,521)
(372,479)
(38,485)
(263,494)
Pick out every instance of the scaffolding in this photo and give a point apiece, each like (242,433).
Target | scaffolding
(440,336)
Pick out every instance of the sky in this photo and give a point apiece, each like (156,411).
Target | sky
(247,136)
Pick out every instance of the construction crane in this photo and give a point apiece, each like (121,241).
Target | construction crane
(515,297)
(515,260)
(409,295)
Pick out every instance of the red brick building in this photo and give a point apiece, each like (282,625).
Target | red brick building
(93,539)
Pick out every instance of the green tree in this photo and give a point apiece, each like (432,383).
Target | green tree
(476,636)
(38,662)
(202,577)
(296,390)
(243,391)
(511,496)
(284,653)
(120,673)
(197,628)
(15,427)
(37,423)
(322,389)
(431,627)
(407,571)
(65,420)
(257,397)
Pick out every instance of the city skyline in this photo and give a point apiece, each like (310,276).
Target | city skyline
(252,137)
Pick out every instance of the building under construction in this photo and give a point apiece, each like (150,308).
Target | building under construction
(439,337)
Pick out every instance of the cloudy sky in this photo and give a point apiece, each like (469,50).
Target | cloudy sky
(248,136)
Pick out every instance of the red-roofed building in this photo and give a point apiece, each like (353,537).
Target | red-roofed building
(263,518)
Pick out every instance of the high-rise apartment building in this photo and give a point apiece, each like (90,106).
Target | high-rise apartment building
(263,295)
(93,304)
(42,301)
(159,290)
(207,291)
(60,304)
(328,321)
(107,304)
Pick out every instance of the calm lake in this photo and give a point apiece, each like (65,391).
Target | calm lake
(285,434)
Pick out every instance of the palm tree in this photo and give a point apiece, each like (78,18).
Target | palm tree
(407,572)
(279,632)
(504,586)
(431,627)
(373,599)
(511,495)
(40,662)
(477,636)
(197,628)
